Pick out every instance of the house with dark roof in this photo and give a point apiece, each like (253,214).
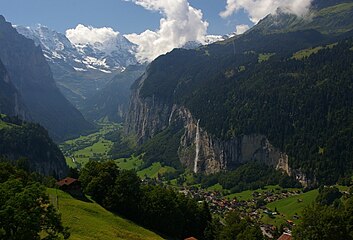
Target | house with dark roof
(285,236)
(71,186)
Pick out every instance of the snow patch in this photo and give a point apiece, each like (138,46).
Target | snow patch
(80,69)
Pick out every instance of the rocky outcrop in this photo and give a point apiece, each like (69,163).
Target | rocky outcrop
(202,152)
(148,116)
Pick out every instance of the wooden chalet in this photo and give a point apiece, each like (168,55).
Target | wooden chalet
(71,186)
(285,236)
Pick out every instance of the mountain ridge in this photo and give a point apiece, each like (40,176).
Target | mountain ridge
(32,77)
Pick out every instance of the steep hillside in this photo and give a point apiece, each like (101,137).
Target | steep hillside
(326,17)
(88,220)
(112,101)
(11,102)
(247,99)
(31,75)
(31,142)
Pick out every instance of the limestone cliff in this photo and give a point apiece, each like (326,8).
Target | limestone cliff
(147,116)
(198,150)
(204,153)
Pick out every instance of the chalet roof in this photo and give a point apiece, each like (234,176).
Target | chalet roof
(66,181)
(285,236)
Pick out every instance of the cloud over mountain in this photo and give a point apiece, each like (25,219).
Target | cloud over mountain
(181,23)
(83,35)
(258,9)
(242,28)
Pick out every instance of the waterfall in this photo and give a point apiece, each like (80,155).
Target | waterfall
(197,145)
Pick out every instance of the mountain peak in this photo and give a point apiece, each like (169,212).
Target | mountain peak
(107,56)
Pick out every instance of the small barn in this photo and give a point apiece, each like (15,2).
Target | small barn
(285,236)
(71,186)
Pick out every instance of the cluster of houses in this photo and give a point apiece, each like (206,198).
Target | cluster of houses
(220,205)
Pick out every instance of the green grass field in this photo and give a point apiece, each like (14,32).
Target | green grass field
(216,187)
(3,125)
(94,146)
(335,9)
(289,207)
(6,125)
(129,163)
(309,51)
(247,195)
(88,220)
(154,170)
(263,57)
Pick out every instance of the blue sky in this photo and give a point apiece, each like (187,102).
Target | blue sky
(123,16)
(154,26)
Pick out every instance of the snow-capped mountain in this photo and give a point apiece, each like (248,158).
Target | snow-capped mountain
(209,39)
(81,69)
(113,55)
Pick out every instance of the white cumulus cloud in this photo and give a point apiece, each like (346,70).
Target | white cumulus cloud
(90,35)
(180,23)
(242,28)
(258,9)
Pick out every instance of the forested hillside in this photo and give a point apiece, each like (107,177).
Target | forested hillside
(294,87)
(31,145)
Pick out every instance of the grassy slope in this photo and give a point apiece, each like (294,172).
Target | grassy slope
(6,125)
(91,221)
(309,51)
(3,124)
(216,187)
(289,207)
(335,9)
(263,57)
(129,163)
(152,171)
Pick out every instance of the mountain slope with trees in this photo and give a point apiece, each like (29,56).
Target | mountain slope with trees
(30,145)
(252,84)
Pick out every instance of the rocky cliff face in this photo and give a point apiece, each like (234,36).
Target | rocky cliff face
(11,102)
(32,77)
(148,116)
(198,150)
(202,152)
